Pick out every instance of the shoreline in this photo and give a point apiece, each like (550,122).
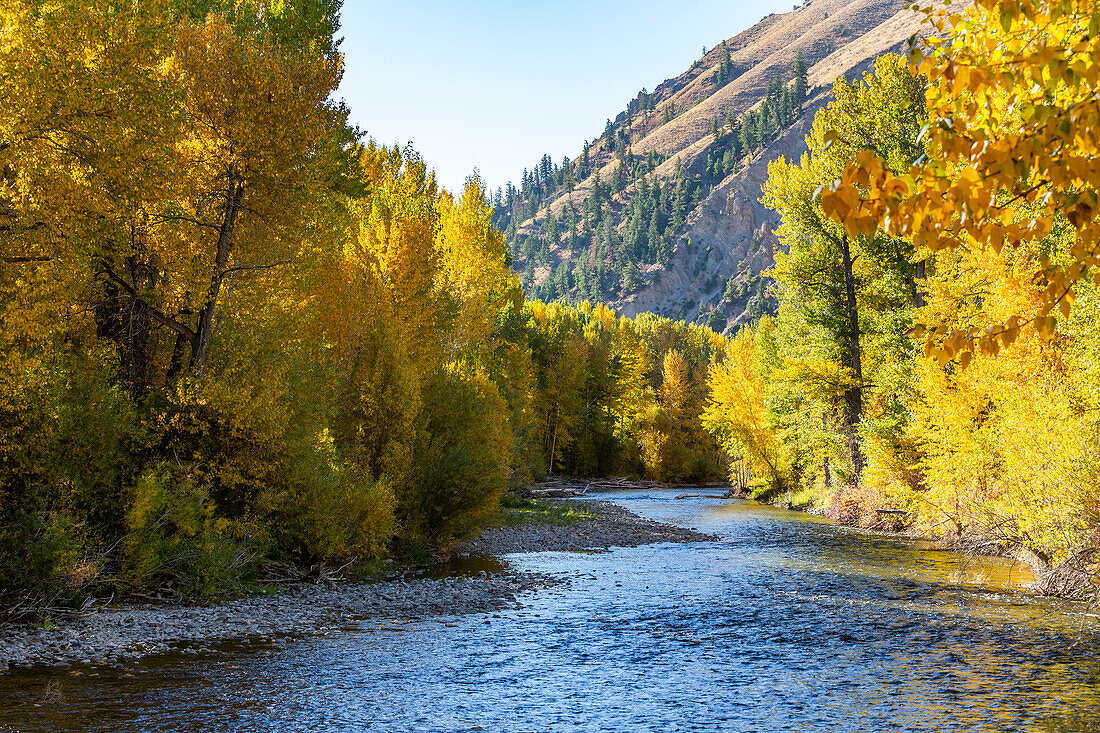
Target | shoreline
(113,635)
(1071,580)
(601,526)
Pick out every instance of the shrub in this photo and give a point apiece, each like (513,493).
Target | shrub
(69,437)
(174,535)
(462,457)
(376,411)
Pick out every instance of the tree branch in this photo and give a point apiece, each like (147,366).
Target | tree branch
(154,313)
(14,260)
(188,219)
(245,268)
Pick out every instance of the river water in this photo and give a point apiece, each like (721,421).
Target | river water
(787,623)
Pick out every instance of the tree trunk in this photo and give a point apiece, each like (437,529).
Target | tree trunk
(125,320)
(201,342)
(853,397)
(918,277)
(138,333)
(554,442)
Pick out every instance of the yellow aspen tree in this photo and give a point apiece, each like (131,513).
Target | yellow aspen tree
(736,414)
(396,227)
(474,274)
(1012,151)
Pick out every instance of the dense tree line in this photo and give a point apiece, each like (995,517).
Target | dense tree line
(986,429)
(232,332)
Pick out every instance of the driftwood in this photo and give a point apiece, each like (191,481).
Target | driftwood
(272,571)
(1078,576)
(581,486)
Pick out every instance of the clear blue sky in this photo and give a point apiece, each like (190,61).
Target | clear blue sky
(494,84)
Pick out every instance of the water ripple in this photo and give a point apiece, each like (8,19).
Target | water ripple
(788,623)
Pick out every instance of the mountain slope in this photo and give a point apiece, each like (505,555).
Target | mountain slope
(661,212)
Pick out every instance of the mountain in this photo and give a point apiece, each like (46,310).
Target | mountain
(660,213)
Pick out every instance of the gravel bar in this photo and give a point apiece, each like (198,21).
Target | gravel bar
(123,633)
(117,634)
(609,525)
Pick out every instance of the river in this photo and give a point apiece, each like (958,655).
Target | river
(788,623)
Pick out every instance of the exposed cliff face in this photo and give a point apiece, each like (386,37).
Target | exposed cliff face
(729,233)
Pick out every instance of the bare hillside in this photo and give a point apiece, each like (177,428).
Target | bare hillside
(661,212)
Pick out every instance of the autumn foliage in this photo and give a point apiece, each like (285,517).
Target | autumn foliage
(1013,156)
(234,333)
(935,349)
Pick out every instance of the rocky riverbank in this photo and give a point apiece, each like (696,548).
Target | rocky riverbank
(116,634)
(582,525)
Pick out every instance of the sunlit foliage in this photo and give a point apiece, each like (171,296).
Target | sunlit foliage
(232,333)
(1013,154)
(987,436)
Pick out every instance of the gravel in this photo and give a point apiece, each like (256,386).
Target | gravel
(116,634)
(609,525)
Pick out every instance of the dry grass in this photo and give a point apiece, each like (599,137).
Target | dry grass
(767,50)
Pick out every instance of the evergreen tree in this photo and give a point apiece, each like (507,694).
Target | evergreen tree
(801,80)
(680,204)
(653,236)
(725,67)
(632,279)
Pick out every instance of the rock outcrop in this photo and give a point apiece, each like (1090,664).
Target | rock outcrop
(731,234)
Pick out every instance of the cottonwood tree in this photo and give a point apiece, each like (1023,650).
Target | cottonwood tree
(839,291)
(152,159)
(1013,150)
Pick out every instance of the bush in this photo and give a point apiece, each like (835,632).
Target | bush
(376,412)
(231,437)
(174,535)
(462,457)
(69,437)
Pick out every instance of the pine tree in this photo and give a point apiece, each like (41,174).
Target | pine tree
(801,81)
(653,236)
(725,67)
(631,277)
(735,143)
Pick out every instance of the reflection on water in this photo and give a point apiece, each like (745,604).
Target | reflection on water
(788,623)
